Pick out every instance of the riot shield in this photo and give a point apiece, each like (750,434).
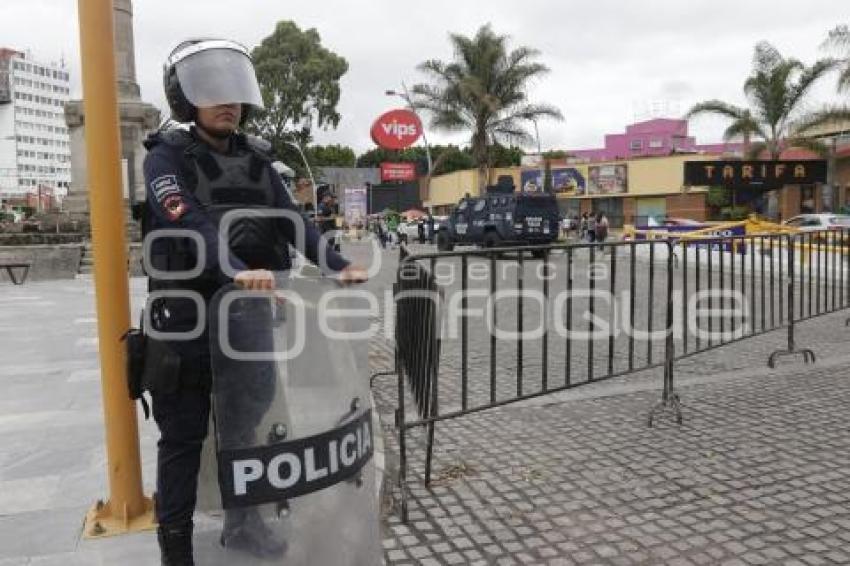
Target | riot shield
(293,429)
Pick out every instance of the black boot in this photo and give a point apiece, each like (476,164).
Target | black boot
(245,531)
(175,544)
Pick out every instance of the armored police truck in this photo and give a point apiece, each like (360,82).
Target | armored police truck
(501,217)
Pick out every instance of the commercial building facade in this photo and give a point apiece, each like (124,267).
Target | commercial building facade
(653,138)
(626,191)
(650,182)
(35,154)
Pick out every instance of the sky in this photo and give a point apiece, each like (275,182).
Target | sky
(611,62)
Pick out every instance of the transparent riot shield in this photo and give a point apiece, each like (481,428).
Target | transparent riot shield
(293,429)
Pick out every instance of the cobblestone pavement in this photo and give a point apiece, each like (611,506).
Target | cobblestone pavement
(756,475)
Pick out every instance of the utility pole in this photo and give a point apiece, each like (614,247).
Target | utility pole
(309,172)
(540,156)
(127,509)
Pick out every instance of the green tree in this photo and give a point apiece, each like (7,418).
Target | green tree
(837,41)
(483,90)
(299,81)
(375,156)
(447,158)
(776,90)
(451,158)
(331,156)
(501,156)
(555,154)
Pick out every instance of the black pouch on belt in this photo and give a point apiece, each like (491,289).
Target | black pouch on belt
(136,343)
(162,367)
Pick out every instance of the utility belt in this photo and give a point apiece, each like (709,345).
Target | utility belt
(166,366)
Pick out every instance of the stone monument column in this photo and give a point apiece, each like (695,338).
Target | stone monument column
(137,119)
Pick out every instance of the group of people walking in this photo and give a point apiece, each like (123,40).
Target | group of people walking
(590,227)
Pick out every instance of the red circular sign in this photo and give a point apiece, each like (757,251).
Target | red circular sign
(396,129)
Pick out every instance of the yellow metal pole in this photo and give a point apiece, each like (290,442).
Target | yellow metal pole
(127,508)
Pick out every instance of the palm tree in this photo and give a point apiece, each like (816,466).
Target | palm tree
(837,40)
(776,89)
(483,90)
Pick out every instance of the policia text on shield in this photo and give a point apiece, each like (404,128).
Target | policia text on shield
(194,177)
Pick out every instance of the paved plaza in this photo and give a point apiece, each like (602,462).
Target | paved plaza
(757,474)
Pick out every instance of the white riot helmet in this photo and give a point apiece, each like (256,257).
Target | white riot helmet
(209,72)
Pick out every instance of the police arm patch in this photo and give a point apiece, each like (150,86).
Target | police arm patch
(174,207)
(166,191)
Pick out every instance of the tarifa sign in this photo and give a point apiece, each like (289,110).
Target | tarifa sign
(757,174)
(396,129)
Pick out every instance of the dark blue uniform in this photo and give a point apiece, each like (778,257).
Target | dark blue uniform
(188,186)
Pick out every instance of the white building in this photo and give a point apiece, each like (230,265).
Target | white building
(35,154)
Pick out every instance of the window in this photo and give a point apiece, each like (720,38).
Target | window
(636,145)
(656,143)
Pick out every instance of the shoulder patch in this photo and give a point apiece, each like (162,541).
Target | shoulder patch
(168,196)
(174,206)
(164,186)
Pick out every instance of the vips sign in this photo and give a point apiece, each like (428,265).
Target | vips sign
(396,129)
(757,174)
(398,172)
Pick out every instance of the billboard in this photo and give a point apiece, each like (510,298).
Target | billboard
(607,179)
(355,205)
(756,174)
(569,181)
(398,172)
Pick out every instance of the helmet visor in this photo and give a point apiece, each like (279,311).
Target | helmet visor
(219,76)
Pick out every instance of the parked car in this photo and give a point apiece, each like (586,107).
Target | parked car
(822,221)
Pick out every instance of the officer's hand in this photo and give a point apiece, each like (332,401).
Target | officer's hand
(353,274)
(255,280)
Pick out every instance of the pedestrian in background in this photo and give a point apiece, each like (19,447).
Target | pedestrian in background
(601,227)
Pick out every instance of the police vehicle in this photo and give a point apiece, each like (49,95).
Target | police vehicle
(501,217)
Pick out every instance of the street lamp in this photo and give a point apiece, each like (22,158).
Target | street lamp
(309,172)
(540,155)
(406,97)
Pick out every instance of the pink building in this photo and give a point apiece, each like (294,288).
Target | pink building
(660,136)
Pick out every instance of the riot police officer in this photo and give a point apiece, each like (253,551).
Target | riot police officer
(193,178)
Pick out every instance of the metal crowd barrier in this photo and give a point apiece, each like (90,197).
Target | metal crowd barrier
(483,328)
